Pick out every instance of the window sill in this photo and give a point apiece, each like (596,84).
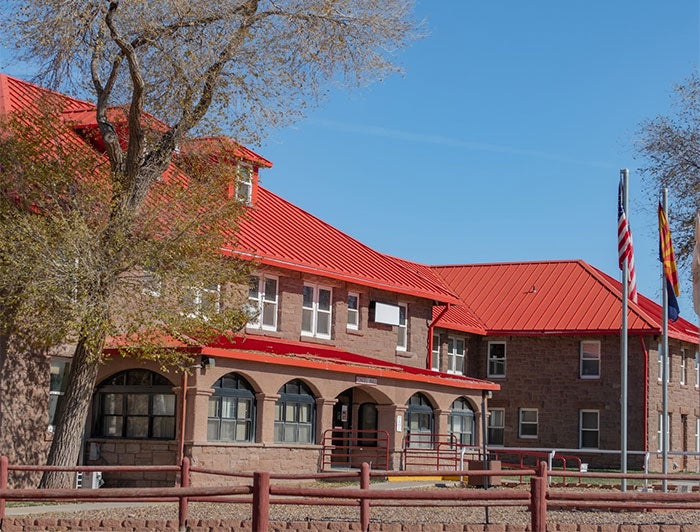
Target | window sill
(316,340)
(355,332)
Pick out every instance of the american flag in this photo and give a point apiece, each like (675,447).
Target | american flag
(625,250)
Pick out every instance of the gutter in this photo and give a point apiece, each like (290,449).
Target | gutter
(429,358)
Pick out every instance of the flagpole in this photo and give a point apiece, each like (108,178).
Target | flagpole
(624,175)
(664,359)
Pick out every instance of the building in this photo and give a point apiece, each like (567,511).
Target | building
(360,356)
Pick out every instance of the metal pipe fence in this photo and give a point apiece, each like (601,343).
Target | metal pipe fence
(269,489)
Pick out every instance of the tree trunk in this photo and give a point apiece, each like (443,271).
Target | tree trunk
(70,424)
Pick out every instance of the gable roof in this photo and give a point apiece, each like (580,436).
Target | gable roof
(553,297)
(278,233)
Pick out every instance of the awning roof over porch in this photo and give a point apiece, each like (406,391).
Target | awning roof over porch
(288,353)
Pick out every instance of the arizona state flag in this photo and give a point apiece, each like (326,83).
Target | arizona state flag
(668,260)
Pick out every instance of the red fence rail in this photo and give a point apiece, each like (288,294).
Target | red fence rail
(262,492)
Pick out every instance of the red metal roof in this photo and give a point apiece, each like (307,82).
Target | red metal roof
(277,233)
(16,95)
(552,297)
(291,353)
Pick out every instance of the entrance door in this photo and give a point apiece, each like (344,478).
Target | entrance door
(342,424)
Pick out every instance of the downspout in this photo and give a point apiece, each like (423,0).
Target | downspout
(183,413)
(645,423)
(429,358)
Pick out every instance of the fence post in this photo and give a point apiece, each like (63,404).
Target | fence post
(184,483)
(538,499)
(364,503)
(3,485)
(261,501)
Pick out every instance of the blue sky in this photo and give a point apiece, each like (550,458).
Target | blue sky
(502,140)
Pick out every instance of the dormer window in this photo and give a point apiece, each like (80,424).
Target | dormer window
(244,183)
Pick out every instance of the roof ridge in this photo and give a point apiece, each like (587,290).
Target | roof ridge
(603,279)
(504,263)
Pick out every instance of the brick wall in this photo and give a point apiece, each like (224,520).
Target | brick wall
(372,339)
(16,524)
(136,452)
(249,458)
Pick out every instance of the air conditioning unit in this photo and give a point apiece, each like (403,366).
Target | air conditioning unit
(91,480)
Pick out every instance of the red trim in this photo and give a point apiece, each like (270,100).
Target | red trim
(402,373)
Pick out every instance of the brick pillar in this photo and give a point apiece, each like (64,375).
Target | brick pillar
(197,414)
(388,418)
(265,430)
(324,416)
(441,425)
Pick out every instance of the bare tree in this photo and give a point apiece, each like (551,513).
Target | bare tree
(239,66)
(670,145)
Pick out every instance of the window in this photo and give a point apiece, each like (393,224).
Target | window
(57,387)
(684,367)
(496,426)
(295,413)
(231,410)
(419,422)
(660,429)
(316,311)
(697,370)
(455,355)
(589,435)
(590,360)
(527,426)
(353,311)
(203,302)
(661,362)
(497,359)
(244,183)
(262,299)
(135,404)
(402,338)
(436,352)
(461,422)
(697,434)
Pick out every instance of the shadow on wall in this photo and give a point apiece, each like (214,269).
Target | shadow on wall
(24,388)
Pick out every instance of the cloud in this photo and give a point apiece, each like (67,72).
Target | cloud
(440,140)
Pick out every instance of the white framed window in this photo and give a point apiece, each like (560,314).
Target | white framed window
(497,359)
(244,183)
(436,352)
(697,370)
(527,423)
(590,360)
(353,311)
(660,428)
(57,386)
(697,434)
(455,355)
(589,433)
(496,426)
(684,368)
(316,311)
(661,362)
(402,334)
(203,301)
(263,301)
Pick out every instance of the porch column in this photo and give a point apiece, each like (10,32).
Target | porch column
(265,426)
(392,418)
(324,417)
(197,413)
(442,425)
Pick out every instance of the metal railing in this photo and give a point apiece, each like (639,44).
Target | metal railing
(351,447)
(262,493)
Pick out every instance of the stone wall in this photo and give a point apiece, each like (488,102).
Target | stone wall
(118,452)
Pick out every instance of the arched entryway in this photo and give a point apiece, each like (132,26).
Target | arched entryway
(354,437)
